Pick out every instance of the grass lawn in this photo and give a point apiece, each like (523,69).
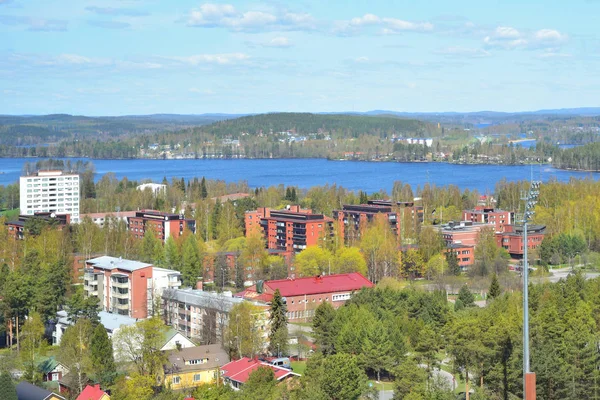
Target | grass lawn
(8,214)
(299,367)
(382,385)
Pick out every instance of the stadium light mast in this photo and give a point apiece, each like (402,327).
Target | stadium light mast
(531,199)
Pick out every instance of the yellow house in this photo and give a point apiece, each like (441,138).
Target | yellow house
(194,366)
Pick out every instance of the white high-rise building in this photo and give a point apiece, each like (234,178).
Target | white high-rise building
(50,191)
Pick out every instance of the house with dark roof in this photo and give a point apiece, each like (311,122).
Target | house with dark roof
(303,295)
(194,366)
(27,391)
(236,373)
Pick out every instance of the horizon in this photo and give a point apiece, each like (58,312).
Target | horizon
(141,57)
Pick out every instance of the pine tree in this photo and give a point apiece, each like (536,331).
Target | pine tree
(191,266)
(494,290)
(466,297)
(101,356)
(203,190)
(453,265)
(7,387)
(323,329)
(363,197)
(278,337)
(172,256)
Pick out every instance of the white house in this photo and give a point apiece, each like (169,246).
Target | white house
(156,188)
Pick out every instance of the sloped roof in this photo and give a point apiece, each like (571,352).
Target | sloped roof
(213,353)
(91,393)
(240,370)
(48,364)
(27,391)
(321,284)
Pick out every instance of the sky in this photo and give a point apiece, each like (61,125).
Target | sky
(124,57)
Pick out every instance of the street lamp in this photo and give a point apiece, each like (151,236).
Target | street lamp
(530,198)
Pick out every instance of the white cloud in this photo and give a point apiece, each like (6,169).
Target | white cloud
(463,52)
(509,38)
(554,55)
(73,59)
(387,25)
(280,41)
(227,16)
(219,59)
(506,32)
(549,36)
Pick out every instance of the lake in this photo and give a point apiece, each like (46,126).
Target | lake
(304,173)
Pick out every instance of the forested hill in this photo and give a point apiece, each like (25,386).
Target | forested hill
(340,125)
(585,158)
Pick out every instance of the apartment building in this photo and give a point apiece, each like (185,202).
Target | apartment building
(293,229)
(50,192)
(512,238)
(101,218)
(16,228)
(489,215)
(465,254)
(127,287)
(463,233)
(199,315)
(163,224)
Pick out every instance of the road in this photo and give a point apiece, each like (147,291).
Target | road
(563,273)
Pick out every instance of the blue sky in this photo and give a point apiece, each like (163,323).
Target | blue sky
(117,57)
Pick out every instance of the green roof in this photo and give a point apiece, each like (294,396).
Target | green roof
(47,364)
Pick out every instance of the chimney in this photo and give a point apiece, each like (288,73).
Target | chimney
(199,285)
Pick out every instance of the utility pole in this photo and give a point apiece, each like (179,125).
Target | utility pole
(530,198)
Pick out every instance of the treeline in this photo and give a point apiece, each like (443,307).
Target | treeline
(586,158)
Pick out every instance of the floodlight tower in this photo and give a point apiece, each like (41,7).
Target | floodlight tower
(530,198)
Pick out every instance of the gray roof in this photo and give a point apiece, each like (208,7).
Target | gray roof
(199,298)
(108,320)
(217,357)
(27,391)
(110,263)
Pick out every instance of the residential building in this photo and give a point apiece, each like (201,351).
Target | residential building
(78,269)
(101,218)
(174,340)
(27,391)
(155,188)
(163,224)
(199,315)
(127,287)
(16,228)
(237,372)
(194,366)
(512,238)
(465,254)
(51,192)
(111,322)
(464,232)
(293,229)
(51,369)
(304,295)
(93,392)
(353,219)
(489,215)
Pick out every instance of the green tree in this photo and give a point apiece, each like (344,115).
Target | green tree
(342,377)
(323,328)
(349,259)
(203,190)
(149,245)
(136,386)
(172,256)
(191,262)
(453,265)
(101,356)
(312,261)
(74,353)
(7,387)
(278,335)
(33,345)
(494,290)
(261,384)
(81,306)
(466,297)
(411,264)
(377,349)
(242,335)
(411,381)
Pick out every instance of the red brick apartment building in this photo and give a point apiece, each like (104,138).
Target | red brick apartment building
(512,238)
(303,295)
(353,219)
(120,285)
(488,215)
(464,233)
(163,224)
(293,229)
(465,254)
(16,228)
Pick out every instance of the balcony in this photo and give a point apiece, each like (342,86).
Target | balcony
(120,281)
(120,294)
(122,306)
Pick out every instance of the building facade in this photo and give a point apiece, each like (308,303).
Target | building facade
(292,230)
(51,192)
(512,238)
(194,366)
(16,228)
(489,215)
(127,287)
(304,295)
(163,224)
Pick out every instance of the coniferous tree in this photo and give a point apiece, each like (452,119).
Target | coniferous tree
(172,256)
(466,297)
(203,190)
(453,265)
(7,387)
(323,328)
(494,290)
(101,356)
(191,263)
(278,337)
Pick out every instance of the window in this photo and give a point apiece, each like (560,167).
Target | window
(176,380)
(55,376)
(196,377)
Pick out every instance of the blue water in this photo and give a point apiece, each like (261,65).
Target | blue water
(304,173)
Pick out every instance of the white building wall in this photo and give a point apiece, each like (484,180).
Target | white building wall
(50,191)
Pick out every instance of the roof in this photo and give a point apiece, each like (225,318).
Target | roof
(110,263)
(199,298)
(240,370)
(120,214)
(48,364)
(110,321)
(217,357)
(321,284)
(27,391)
(91,393)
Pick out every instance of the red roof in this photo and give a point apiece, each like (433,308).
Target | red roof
(240,370)
(91,393)
(316,285)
